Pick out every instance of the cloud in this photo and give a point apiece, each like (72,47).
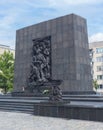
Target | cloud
(15,14)
(96,37)
(8,42)
(72,2)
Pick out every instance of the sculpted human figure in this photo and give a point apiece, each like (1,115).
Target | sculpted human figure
(34,75)
(40,73)
(55,93)
(40,68)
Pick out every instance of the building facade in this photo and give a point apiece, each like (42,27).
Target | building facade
(96,57)
(6,48)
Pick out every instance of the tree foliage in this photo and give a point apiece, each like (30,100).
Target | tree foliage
(95,84)
(6,71)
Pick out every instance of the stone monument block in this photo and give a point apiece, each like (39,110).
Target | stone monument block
(65,40)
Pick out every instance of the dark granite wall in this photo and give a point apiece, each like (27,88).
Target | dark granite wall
(70,56)
(63,110)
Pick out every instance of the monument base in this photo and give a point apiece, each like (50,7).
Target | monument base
(49,108)
(68,111)
(28,94)
(78,92)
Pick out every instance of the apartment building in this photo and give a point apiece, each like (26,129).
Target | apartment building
(6,48)
(96,59)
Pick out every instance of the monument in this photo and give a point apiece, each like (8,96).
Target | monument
(52,51)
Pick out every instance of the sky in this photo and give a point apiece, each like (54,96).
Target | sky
(16,14)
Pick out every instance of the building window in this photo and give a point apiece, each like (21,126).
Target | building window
(99,77)
(99,50)
(99,68)
(100,86)
(99,59)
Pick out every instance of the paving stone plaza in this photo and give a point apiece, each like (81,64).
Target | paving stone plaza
(22,121)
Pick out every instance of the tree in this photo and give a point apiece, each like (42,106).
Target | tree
(6,71)
(95,84)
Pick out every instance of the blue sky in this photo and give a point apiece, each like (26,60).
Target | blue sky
(15,14)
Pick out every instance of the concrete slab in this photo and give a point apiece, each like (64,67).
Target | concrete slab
(21,121)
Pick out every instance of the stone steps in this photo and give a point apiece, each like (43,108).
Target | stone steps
(26,104)
(65,97)
(21,106)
